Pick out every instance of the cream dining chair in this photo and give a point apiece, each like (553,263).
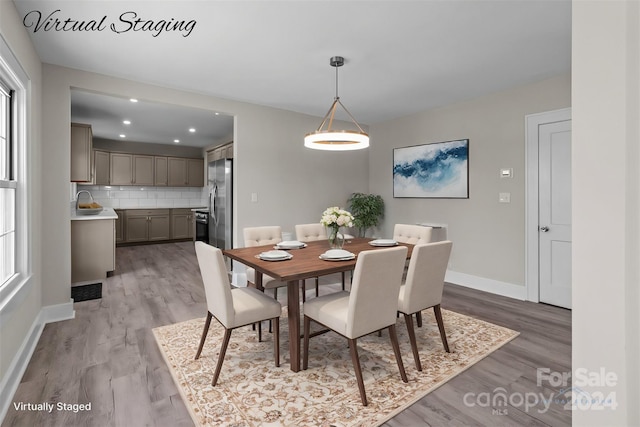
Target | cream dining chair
(312,232)
(233,308)
(423,288)
(258,236)
(412,234)
(366,309)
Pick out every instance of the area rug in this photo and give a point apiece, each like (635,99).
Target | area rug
(251,391)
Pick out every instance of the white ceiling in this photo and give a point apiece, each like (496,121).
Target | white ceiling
(402,57)
(150,122)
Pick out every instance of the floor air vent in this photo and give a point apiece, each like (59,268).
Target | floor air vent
(86,292)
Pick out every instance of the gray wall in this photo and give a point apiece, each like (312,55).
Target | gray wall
(488,236)
(18,315)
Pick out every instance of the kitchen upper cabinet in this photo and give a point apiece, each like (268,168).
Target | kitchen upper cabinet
(81,152)
(182,224)
(101,166)
(221,152)
(131,169)
(143,170)
(161,172)
(195,172)
(144,225)
(121,169)
(185,172)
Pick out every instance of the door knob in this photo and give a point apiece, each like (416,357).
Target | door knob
(544,229)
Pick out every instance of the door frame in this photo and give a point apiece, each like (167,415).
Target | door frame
(532,254)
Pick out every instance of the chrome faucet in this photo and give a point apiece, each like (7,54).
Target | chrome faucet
(78,198)
(84,191)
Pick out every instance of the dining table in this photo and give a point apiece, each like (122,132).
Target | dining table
(305,263)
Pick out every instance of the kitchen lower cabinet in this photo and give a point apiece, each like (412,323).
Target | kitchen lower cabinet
(143,225)
(93,252)
(120,226)
(182,224)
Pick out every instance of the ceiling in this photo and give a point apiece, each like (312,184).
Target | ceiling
(149,121)
(402,57)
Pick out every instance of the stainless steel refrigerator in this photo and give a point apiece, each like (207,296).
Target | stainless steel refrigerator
(220,184)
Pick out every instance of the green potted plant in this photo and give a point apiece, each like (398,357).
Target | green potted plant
(367,210)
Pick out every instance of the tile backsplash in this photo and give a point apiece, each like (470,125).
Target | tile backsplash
(131,197)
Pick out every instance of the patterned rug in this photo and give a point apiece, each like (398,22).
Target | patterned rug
(251,391)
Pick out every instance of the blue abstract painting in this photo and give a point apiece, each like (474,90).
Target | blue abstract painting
(439,170)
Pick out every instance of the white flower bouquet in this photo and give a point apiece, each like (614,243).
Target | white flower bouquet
(334,217)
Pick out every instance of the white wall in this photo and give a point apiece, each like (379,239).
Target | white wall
(19,313)
(606,222)
(293,184)
(488,236)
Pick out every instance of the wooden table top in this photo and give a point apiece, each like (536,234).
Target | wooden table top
(306,262)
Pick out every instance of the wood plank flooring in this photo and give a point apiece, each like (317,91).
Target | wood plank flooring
(107,355)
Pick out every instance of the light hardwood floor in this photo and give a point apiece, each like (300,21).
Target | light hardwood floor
(107,354)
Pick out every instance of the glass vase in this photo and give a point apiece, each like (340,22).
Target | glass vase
(335,238)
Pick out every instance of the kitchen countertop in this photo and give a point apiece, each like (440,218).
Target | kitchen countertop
(107,213)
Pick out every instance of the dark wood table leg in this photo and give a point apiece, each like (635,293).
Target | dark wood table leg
(293,305)
(259,281)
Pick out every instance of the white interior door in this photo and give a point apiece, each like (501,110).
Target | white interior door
(554,231)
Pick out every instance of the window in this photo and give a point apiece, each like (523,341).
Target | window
(7,188)
(16,254)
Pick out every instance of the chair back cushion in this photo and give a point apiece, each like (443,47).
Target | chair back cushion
(425,277)
(412,234)
(310,232)
(374,290)
(258,236)
(216,283)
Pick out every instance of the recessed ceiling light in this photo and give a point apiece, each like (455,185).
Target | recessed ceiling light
(177,141)
(122,135)
(192,130)
(217,114)
(133,100)
(126,122)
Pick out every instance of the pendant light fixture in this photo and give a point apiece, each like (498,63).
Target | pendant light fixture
(336,140)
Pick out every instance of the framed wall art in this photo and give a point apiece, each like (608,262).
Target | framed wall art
(437,170)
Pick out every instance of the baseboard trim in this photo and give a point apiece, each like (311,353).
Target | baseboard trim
(58,312)
(11,381)
(487,285)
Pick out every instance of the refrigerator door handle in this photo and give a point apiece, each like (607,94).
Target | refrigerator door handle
(213,209)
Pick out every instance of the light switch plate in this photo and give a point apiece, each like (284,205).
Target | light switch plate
(254,197)
(506,172)
(504,197)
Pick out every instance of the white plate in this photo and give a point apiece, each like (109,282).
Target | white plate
(337,254)
(290,244)
(322,257)
(383,242)
(275,255)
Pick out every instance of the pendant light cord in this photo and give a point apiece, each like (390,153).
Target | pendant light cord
(337,97)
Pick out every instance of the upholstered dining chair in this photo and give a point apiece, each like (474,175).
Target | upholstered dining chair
(423,288)
(258,236)
(233,308)
(366,309)
(412,234)
(311,232)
